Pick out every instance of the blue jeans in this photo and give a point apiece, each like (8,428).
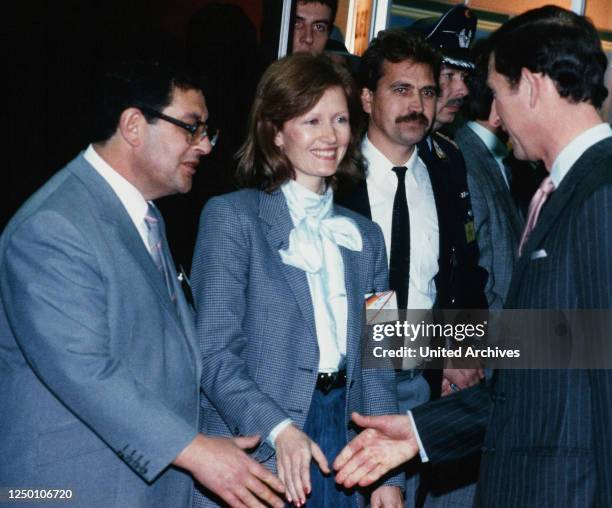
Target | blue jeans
(326,426)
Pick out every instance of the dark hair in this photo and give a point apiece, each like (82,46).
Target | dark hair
(396,45)
(289,88)
(477,105)
(332,4)
(139,83)
(557,43)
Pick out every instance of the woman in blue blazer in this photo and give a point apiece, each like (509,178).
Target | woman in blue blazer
(279,279)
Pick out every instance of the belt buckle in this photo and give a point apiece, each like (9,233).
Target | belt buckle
(326,383)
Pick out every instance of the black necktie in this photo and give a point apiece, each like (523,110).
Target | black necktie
(399,264)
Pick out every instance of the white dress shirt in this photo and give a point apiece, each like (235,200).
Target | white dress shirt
(495,146)
(424,232)
(130,197)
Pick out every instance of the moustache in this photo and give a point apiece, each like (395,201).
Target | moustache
(458,102)
(413,117)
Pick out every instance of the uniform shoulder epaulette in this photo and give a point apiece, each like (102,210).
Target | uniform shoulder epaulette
(446,138)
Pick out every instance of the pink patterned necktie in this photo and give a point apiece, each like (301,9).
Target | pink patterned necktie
(537,202)
(156,246)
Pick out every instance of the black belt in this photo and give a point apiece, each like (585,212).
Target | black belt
(327,381)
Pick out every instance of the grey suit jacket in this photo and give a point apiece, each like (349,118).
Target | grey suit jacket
(255,320)
(548,439)
(498,223)
(98,368)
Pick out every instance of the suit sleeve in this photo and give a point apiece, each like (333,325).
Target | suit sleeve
(55,296)
(220,277)
(379,385)
(482,222)
(380,392)
(593,229)
(453,427)
(381,271)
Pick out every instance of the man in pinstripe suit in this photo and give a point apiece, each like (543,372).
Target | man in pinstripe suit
(546,433)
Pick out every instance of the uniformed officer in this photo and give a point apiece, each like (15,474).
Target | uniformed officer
(451,35)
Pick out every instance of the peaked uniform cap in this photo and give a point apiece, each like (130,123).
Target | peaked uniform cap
(452,35)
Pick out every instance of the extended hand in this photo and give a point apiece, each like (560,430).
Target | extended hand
(386,442)
(294,450)
(221,465)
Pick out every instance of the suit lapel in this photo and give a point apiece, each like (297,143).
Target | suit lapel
(559,199)
(500,189)
(435,175)
(489,171)
(470,142)
(552,211)
(354,302)
(113,213)
(181,309)
(273,210)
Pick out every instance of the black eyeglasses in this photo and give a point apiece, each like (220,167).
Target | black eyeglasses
(196,132)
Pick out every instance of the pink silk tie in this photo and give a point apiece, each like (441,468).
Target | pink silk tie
(537,202)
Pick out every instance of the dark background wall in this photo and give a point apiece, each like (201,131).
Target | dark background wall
(53,52)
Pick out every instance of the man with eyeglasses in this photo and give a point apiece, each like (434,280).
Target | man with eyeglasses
(100,367)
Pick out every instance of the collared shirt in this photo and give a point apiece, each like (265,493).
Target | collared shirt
(130,197)
(495,146)
(424,232)
(574,150)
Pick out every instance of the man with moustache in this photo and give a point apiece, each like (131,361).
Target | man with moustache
(451,36)
(100,364)
(545,434)
(399,74)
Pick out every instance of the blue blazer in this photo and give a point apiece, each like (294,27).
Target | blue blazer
(99,370)
(255,320)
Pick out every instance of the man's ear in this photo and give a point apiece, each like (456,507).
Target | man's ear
(131,126)
(494,119)
(366,100)
(533,82)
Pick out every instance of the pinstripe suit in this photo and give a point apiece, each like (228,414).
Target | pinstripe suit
(256,321)
(548,439)
(498,223)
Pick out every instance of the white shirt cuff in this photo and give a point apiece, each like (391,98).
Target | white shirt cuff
(422,452)
(271,439)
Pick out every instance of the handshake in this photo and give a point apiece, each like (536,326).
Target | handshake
(221,465)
